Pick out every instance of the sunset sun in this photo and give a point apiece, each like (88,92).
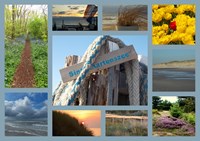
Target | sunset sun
(82,122)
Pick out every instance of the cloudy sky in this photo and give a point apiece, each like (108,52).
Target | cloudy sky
(25,106)
(68,10)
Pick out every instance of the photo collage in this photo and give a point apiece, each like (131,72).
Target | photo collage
(99,70)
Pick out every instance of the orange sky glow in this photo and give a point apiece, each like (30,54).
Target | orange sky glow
(69,10)
(91,119)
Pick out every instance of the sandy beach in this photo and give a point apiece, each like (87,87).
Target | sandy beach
(174,79)
(109,27)
(114,27)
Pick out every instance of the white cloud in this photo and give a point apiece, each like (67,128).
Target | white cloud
(23,109)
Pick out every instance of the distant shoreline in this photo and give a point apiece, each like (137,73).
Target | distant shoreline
(176,64)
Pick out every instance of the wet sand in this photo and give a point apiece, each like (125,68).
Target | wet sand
(174,79)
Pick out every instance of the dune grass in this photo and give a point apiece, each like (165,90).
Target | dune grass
(130,127)
(65,125)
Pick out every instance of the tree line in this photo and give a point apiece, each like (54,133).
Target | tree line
(22,19)
(187,104)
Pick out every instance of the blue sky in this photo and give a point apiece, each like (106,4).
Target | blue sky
(168,55)
(77,45)
(25,106)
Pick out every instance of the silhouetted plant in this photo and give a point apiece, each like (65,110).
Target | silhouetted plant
(65,125)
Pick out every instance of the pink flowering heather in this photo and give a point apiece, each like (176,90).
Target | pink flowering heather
(169,122)
(175,123)
(189,129)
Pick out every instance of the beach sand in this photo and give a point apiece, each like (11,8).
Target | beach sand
(175,79)
(114,27)
(109,27)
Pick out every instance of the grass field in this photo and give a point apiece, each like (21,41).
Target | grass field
(128,127)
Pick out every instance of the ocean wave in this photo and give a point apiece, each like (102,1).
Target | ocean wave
(40,125)
(21,132)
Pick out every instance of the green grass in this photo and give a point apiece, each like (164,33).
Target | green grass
(40,62)
(129,128)
(13,52)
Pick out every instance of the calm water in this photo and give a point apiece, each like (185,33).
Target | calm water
(177,74)
(26,128)
(69,21)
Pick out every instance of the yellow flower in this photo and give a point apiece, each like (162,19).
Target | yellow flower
(185,25)
(161,33)
(156,18)
(170,8)
(190,30)
(155,40)
(165,40)
(194,8)
(181,28)
(168,16)
(188,39)
(155,7)
(175,36)
(165,27)
(191,22)
(180,10)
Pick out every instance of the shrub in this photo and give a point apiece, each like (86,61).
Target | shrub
(175,110)
(169,122)
(155,111)
(189,117)
(174,125)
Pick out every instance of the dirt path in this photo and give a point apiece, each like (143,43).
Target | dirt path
(24,75)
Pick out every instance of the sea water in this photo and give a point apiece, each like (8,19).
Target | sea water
(69,21)
(177,74)
(26,128)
